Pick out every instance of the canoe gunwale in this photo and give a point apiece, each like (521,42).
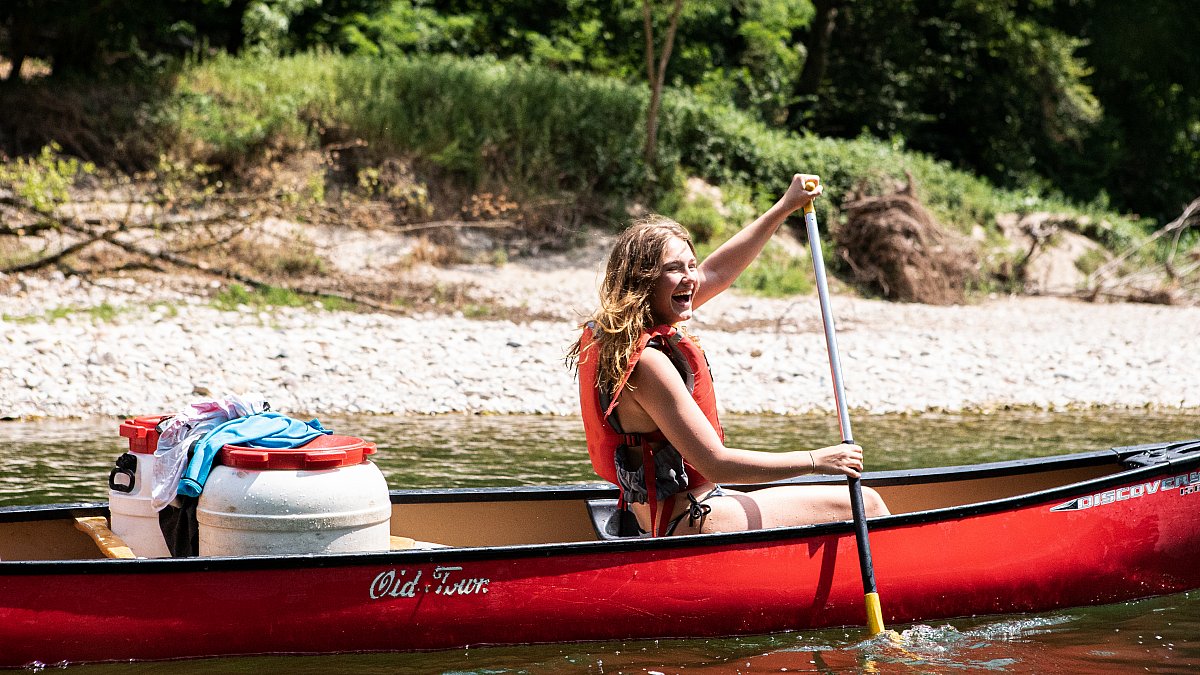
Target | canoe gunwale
(584,492)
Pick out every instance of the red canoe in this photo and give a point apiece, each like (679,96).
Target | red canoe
(533,565)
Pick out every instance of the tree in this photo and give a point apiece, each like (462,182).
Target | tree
(96,36)
(656,72)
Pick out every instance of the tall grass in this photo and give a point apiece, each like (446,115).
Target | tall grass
(520,123)
(228,108)
(527,124)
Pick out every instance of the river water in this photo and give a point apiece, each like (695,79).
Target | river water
(68,461)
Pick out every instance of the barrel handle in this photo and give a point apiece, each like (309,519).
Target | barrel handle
(126,466)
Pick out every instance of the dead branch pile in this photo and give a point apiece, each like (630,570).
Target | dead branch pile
(895,247)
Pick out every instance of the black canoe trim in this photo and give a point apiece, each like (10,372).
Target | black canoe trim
(780,535)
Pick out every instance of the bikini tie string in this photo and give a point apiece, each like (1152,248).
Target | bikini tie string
(696,511)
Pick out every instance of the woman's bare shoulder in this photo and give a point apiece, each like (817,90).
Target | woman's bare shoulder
(654,369)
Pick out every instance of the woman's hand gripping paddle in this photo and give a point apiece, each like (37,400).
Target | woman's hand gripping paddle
(874,613)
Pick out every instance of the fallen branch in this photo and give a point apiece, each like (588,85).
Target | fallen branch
(254,282)
(1178,224)
(457,224)
(214,240)
(26,230)
(52,259)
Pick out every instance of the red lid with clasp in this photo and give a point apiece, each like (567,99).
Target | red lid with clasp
(323,452)
(141,432)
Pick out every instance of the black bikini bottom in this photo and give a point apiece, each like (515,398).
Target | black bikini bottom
(696,510)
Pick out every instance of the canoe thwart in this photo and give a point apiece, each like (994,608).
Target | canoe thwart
(109,543)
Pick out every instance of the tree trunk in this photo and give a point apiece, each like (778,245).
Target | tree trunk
(819,41)
(657,76)
(18,60)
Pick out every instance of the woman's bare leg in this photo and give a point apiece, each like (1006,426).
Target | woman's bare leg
(783,506)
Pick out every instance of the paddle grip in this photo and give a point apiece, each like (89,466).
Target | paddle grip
(809,185)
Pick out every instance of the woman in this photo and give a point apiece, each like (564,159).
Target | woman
(647,398)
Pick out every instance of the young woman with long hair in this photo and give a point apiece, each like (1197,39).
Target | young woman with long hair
(648,400)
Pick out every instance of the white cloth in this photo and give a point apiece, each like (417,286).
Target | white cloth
(179,432)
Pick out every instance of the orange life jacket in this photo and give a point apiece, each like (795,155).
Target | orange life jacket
(602,430)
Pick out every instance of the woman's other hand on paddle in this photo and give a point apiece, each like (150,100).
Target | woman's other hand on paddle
(843,459)
(797,196)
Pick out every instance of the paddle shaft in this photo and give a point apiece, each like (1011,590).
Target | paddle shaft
(866,567)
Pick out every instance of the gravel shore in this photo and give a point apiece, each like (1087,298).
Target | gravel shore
(164,348)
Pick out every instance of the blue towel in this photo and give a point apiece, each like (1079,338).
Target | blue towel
(264,430)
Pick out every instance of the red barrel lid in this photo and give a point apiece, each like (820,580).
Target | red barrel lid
(143,438)
(323,452)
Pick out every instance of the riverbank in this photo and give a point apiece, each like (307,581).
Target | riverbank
(158,344)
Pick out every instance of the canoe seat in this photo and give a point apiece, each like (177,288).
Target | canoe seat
(609,522)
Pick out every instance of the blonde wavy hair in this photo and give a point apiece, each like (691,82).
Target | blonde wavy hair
(633,266)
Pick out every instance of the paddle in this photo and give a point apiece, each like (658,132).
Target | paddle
(874,613)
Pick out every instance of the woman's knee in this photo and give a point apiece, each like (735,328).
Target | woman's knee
(873,504)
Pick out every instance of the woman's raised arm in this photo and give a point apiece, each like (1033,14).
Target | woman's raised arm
(722,267)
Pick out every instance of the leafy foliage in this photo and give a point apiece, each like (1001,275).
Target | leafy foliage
(976,83)
(1145,71)
(1098,100)
(43,181)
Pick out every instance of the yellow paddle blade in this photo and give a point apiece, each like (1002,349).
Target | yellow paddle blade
(874,614)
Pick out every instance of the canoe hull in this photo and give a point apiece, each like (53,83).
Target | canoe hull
(1132,536)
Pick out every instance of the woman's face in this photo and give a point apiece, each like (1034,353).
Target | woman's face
(679,277)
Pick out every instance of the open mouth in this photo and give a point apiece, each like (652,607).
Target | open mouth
(682,298)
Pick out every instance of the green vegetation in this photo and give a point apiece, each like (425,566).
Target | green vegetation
(102,313)
(777,274)
(1097,99)
(42,180)
(493,121)
(235,296)
(532,131)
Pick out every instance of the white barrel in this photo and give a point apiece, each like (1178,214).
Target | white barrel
(132,517)
(131,514)
(278,511)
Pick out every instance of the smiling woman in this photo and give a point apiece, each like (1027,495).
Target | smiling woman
(662,442)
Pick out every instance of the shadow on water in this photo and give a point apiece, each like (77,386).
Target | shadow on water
(68,461)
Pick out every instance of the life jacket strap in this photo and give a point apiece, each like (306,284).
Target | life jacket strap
(668,505)
(637,354)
